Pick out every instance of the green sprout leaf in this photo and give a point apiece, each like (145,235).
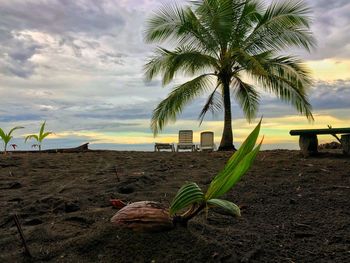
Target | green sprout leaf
(236,167)
(225,205)
(42,129)
(32,136)
(3,135)
(44,135)
(187,195)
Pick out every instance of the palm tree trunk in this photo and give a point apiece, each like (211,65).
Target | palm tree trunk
(227,136)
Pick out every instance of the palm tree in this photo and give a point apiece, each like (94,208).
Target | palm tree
(222,43)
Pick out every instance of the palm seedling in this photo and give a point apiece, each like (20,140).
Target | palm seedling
(6,137)
(190,200)
(39,137)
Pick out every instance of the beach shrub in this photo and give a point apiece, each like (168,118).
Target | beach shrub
(152,216)
(39,137)
(6,137)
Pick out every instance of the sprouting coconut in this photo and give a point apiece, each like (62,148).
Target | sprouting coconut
(7,137)
(151,216)
(38,137)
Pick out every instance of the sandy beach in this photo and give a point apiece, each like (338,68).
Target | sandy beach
(293,209)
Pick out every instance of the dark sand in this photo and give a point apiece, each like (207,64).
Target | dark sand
(296,209)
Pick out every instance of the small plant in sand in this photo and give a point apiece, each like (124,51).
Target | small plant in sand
(39,137)
(190,200)
(6,137)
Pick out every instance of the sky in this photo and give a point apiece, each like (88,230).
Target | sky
(79,66)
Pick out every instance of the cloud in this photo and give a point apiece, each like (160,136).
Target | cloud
(62,16)
(331,26)
(16,50)
(59,35)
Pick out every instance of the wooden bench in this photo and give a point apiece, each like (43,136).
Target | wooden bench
(308,139)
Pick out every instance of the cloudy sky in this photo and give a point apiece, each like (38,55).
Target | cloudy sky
(78,65)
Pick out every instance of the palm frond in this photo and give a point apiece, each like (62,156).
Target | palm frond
(289,79)
(247,61)
(184,59)
(248,98)
(217,16)
(283,25)
(247,15)
(214,103)
(178,25)
(169,108)
(164,24)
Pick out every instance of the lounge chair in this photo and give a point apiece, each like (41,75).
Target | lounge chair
(186,141)
(207,141)
(164,146)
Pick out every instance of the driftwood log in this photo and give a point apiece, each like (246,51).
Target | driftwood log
(82,148)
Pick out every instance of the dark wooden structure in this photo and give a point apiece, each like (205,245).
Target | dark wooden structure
(308,141)
(82,148)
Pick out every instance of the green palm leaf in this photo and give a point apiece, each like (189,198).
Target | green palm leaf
(289,80)
(283,24)
(3,134)
(32,136)
(42,129)
(235,168)
(168,109)
(15,128)
(228,206)
(230,178)
(187,195)
(43,136)
(214,103)
(248,98)
(173,23)
(185,59)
